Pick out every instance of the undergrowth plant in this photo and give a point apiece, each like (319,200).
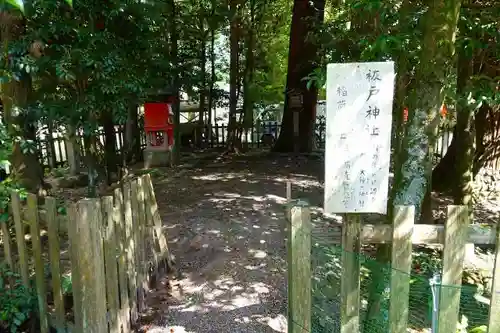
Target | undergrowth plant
(17,303)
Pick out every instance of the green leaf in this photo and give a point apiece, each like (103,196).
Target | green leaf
(4,217)
(479,329)
(16,4)
(70,2)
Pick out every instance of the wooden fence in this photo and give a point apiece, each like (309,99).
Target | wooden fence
(53,151)
(402,234)
(111,247)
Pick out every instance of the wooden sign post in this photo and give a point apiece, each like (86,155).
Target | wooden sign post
(357,158)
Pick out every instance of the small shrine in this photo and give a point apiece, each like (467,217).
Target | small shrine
(159,129)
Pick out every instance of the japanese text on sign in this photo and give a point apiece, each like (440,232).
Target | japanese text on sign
(358,140)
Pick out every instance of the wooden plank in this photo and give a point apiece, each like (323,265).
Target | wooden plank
(76,286)
(144,263)
(90,262)
(453,263)
(401,267)
(288,191)
(138,243)
(122,260)
(55,258)
(110,264)
(155,250)
(39,266)
(7,247)
(299,268)
(130,250)
(494,318)
(152,205)
(422,234)
(350,283)
(15,202)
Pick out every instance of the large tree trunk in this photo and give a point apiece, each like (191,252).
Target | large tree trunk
(463,189)
(248,98)
(25,168)
(232,126)
(300,102)
(174,56)
(414,173)
(414,169)
(212,81)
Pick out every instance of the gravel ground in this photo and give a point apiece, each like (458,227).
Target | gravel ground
(227,232)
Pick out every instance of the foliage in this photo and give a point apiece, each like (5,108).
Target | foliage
(16,302)
(8,184)
(19,4)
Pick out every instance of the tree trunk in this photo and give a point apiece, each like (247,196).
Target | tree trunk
(72,150)
(414,169)
(233,77)
(414,173)
(203,90)
(463,189)
(402,80)
(25,165)
(174,47)
(92,162)
(444,174)
(51,148)
(131,150)
(212,81)
(248,98)
(109,146)
(302,61)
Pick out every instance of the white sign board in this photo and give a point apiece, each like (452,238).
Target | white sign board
(358,137)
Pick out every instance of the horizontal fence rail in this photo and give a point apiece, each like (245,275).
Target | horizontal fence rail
(344,272)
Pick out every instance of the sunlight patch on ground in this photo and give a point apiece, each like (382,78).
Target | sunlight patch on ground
(304,183)
(278,324)
(169,329)
(219,176)
(230,197)
(259,254)
(222,295)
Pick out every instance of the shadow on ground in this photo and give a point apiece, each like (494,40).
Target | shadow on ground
(227,231)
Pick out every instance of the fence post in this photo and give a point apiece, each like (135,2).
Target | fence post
(21,244)
(55,256)
(88,251)
(154,214)
(118,218)
(137,228)
(299,268)
(37,256)
(110,262)
(435,284)
(75,273)
(453,262)
(350,283)
(494,318)
(401,266)
(130,248)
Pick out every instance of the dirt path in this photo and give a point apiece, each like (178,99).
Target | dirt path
(227,231)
